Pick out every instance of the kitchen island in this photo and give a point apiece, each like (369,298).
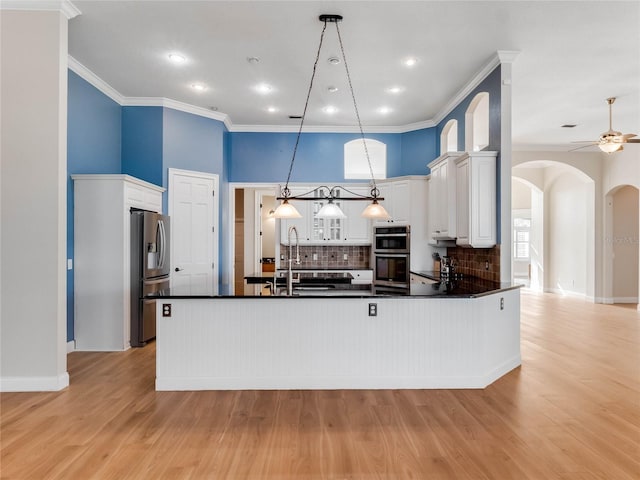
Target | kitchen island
(447,334)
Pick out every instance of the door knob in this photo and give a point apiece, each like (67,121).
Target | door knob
(179,269)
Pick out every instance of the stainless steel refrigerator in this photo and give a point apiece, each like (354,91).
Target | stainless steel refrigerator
(149,271)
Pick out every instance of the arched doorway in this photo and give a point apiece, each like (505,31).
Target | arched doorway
(567,206)
(621,251)
(527,203)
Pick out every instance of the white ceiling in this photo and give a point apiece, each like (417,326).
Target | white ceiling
(573,56)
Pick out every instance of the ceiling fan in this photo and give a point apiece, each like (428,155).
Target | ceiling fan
(611,141)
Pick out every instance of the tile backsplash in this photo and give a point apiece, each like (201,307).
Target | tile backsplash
(328,256)
(474,261)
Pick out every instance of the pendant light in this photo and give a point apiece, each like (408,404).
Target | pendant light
(331,209)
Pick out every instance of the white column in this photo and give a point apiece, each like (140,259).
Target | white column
(33,197)
(506,245)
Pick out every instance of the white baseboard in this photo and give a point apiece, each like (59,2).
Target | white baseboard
(34,384)
(567,293)
(71,346)
(334,383)
(625,299)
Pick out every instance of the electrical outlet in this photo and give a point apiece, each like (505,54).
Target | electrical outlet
(486,265)
(315,256)
(345,257)
(373,309)
(166,309)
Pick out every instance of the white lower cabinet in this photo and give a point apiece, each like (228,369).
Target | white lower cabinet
(476,199)
(102,226)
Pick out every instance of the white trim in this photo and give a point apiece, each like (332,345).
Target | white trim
(34,384)
(176,105)
(316,129)
(501,56)
(625,299)
(117,177)
(569,293)
(90,77)
(71,346)
(497,59)
(65,7)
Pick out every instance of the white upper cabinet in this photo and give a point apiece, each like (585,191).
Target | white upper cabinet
(442,196)
(357,228)
(397,198)
(476,199)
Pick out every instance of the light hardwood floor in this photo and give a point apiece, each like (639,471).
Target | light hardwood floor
(571,411)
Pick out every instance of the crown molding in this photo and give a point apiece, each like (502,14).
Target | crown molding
(176,105)
(314,129)
(67,8)
(497,59)
(501,56)
(83,72)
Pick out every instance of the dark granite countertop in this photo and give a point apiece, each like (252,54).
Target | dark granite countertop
(465,287)
(300,276)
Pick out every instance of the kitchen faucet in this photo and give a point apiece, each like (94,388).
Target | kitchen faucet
(292,229)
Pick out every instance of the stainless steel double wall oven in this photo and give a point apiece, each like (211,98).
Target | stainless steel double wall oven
(391,256)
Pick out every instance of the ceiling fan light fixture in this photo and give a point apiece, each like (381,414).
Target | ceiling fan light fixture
(610,147)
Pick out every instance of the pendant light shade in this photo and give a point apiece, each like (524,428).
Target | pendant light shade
(375,211)
(286,210)
(330,210)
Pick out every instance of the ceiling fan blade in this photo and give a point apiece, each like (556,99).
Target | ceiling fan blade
(633,140)
(583,146)
(627,136)
(585,141)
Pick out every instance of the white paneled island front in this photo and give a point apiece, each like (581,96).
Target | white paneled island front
(414,341)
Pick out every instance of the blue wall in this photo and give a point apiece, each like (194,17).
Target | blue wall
(418,148)
(492,85)
(142,143)
(93,146)
(265,157)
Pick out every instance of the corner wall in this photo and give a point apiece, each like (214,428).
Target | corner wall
(33,189)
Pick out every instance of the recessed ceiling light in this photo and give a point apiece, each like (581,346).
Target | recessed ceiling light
(384,110)
(330,109)
(272,109)
(177,58)
(198,87)
(410,62)
(394,90)
(263,88)
(214,109)
(333,60)
(332,89)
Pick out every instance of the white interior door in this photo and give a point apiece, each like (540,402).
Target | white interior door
(193,208)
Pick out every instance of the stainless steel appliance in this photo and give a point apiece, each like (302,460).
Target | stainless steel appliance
(149,270)
(391,256)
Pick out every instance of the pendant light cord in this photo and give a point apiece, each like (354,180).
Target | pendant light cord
(286,192)
(374,192)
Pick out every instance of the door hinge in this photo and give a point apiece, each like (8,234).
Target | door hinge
(213,193)
(213,229)
(213,265)
(260,233)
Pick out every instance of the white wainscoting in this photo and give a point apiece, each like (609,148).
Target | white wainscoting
(319,343)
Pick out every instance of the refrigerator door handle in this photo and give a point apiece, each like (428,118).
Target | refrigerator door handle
(162,247)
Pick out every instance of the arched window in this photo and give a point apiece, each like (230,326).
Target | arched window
(449,137)
(476,131)
(355,160)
